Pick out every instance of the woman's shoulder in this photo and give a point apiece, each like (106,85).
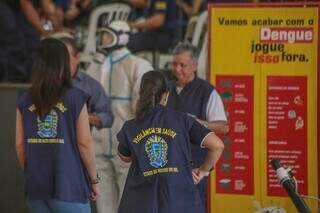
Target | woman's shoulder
(23,98)
(164,112)
(24,95)
(76,92)
(76,95)
(180,118)
(173,114)
(132,123)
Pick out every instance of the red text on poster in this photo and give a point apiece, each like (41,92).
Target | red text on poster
(287,130)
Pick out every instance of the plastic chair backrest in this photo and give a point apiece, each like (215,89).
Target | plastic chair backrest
(199,28)
(190,28)
(203,64)
(102,16)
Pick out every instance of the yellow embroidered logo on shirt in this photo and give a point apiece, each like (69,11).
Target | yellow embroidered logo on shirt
(46,140)
(32,108)
(59,105)
(161,5)
(157,150)
(161,170)
(153,130)
(48,126)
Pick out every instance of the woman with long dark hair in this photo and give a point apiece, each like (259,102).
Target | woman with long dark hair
(161,178)
(53,142)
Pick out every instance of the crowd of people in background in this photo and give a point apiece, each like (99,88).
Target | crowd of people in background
(160,25)
(24,22)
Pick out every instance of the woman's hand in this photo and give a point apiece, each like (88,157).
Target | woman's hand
(198,174)
(95,120)
(95,191)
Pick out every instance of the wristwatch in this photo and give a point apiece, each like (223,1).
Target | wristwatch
(96,180)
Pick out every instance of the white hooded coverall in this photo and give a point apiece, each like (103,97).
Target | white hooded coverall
(120,75)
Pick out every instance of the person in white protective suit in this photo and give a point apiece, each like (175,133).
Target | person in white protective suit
(120,74)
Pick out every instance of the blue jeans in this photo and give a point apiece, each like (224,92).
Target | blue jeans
(56,206)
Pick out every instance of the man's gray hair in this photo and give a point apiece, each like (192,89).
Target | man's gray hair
(183,47)
(67,39)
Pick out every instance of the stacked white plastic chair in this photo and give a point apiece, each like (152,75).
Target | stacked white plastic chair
(102,16)
(200,27)
(200,30)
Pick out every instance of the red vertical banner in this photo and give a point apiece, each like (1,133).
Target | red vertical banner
(287,129)
(234,171)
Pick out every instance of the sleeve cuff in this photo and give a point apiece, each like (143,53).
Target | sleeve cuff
(204,139)
(106,119)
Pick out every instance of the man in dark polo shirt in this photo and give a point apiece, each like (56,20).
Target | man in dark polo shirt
(196,97)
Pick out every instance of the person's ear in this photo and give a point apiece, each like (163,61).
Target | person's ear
(77,56)
(194,65)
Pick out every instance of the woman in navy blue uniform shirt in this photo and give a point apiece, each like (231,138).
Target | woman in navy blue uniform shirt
(157,141)
(53,140)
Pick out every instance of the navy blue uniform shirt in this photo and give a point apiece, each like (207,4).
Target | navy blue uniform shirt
(160,176)
(54,169)
(170,10)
